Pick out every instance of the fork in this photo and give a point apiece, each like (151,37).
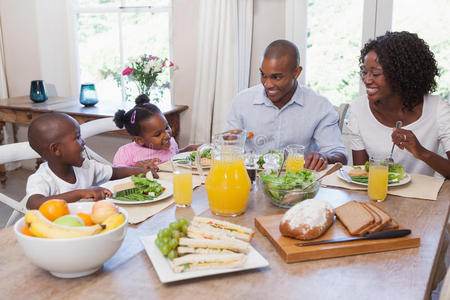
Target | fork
(390,160)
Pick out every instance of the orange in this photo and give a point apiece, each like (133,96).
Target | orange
(86,218)
(26,231)
(54,208)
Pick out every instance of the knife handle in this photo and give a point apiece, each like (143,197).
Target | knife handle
(387,234)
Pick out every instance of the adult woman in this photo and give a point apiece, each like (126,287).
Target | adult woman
(399,70)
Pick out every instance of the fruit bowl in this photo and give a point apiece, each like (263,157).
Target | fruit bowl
(72,257)
(286,195)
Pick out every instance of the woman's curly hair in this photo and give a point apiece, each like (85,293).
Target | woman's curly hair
(408,65)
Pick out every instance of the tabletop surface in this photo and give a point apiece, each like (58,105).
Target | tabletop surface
(103,108)
(399,274)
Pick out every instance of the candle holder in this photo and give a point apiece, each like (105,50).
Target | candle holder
(88,94)
(38,92)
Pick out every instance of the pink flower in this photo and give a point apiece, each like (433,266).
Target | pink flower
(171,64)
(127,71)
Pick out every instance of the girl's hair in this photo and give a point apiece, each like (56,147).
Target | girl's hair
(133,118)
(408,65)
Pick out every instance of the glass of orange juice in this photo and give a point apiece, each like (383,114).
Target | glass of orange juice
(296,158)
(378,179)
(182,185)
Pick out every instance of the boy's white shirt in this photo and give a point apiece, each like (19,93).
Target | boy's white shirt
(46,183)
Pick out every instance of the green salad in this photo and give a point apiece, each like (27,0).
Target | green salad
(261,161)
(276,187)
(396,173)
(154,190)
(191,158)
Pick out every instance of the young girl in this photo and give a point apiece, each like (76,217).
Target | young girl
(151,134)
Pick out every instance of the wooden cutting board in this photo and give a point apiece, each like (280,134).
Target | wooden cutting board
(286,247)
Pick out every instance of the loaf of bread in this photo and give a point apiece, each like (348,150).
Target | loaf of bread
(307,220)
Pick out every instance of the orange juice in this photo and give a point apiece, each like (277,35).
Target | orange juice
(182,188)
(378,181)
(228,186)
(294,163)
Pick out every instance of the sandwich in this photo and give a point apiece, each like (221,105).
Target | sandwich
(192,262)
(209,246)
(208,228)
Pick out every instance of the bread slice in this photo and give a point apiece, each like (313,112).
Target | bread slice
(385,217)
(354,216)
(376,217)
(391,225)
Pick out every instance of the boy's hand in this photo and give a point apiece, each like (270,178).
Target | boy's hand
(149,164)
(97,193)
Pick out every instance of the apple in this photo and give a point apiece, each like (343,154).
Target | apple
(69,220)
(101,210)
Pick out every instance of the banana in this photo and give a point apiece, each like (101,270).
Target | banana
(113,221)
(40,226)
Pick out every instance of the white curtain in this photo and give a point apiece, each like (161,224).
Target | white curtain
(223,63)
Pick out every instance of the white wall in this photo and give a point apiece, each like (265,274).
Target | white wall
(37,46)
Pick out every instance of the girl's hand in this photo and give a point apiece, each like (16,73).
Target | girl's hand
(149,164)
(406,139)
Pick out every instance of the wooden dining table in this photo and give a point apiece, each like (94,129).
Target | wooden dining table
(129,274)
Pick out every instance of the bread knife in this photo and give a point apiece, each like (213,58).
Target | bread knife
(387,234)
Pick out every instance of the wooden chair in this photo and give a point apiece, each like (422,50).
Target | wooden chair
(23,151)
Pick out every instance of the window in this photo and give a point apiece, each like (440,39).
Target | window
(333,45)
(111,32)
(431,21)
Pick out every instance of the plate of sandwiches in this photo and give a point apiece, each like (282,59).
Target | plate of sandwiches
(126,183)
(360,173)
(211,247)
(187,159)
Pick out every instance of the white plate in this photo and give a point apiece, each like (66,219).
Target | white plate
(166,184)
(405,180)
(163,266)
(185,155)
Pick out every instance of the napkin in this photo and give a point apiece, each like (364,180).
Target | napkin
(138,213)
(420,187)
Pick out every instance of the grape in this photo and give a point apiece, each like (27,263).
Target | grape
(176,234)
(158,242)
(182,221)
(172,254)
(166,232)
(173,243)
(165,240)
(165,249)
(160,234)
(184,229)
(173,226)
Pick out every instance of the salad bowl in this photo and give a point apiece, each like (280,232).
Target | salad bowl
(286,190)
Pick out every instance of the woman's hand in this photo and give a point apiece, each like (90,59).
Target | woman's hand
(406,139)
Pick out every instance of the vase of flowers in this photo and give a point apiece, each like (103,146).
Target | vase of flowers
(144,71)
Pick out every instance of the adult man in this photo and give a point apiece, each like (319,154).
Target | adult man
(280,112)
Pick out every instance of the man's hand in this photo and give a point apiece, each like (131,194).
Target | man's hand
(97,193)
(316,161)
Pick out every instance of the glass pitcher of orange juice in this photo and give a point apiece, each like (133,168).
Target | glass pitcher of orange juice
(227,184)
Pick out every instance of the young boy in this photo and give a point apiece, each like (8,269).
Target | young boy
(66,174)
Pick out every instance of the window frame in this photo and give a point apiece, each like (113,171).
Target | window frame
(74,10)
(377,19)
